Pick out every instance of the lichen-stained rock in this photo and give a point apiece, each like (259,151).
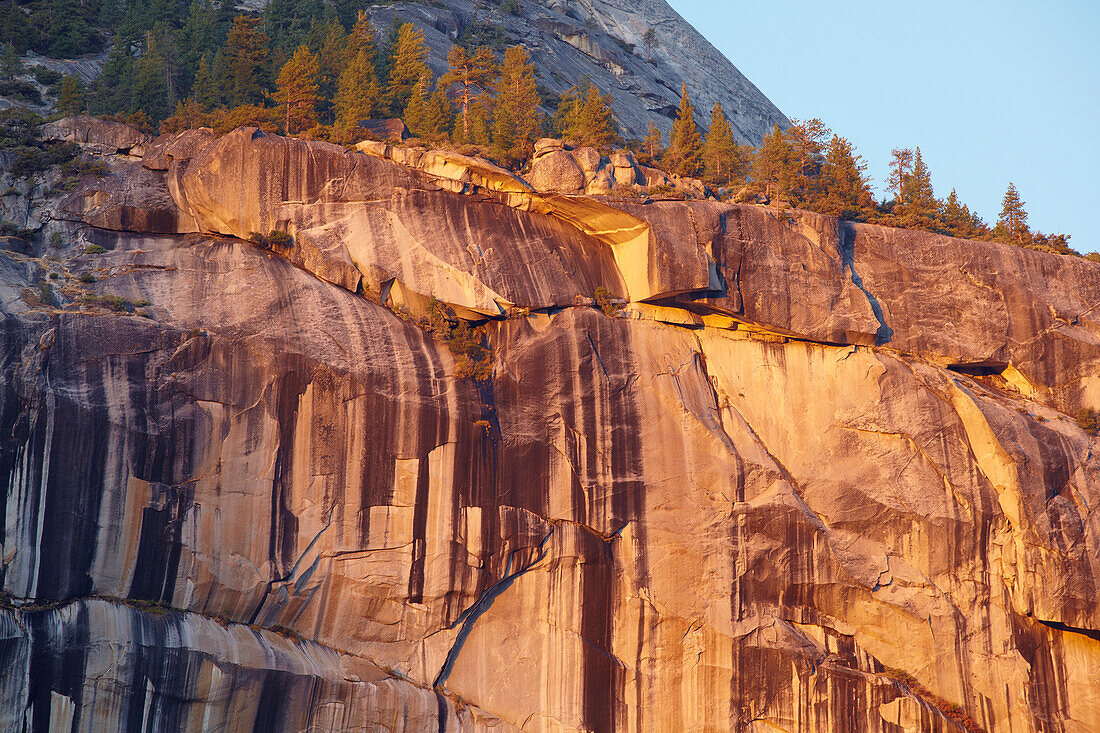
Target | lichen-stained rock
(357,218)
(159,152)
(128,198)
(95,135)
(986,308)
(95,665)
(757,498)
(556,172)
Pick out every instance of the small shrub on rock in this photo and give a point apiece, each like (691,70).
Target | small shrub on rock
(608,302)
(473,358)
(94,249)
(271,241)
(1088,420)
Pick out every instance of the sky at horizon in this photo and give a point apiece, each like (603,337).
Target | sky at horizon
(991,92)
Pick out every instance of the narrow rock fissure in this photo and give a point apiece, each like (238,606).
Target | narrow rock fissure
(1093,634)
(470,616)
(847,247)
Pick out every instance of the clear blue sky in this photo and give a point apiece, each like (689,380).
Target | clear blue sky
(991,91)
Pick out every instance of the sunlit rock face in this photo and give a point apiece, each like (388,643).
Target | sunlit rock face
(812,476)
(599,40)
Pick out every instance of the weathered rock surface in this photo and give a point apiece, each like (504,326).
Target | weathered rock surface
(756,499)
(94,134)
(602,41)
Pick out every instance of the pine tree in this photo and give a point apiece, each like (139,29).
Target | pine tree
(297,92)
(11,64)
(246,59)
(959,221)
(685,146)
(331,51)
(150,85)
(414,110)
(407,65)
(474,75)
(438,117)
(653,145)
(919,207)
(197,36)
(189,114)
(361,39)
(807,140)
(584,117)
(847,192)
(428,115)
(110,93)
(358,96)
(1013,219)
(900,165)
(650,41)
(223,79)
(516,116)
(70,96)
(720,149)
(203,90)
(773,167)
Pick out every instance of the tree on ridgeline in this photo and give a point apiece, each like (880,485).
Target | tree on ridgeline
(918,208)
(246,58)
(1012,223)
(718,147)
(189,115)
(807,142)
(845,186)
(473,74)
(407,65)
(516,118)
(958,220)
(901,162)
(297,93)
(722,161)
(685,145)
(773,166)
(584,118)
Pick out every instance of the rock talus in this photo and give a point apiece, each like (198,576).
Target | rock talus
(810,476)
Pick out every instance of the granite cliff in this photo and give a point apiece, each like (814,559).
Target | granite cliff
(601,40)
(804,475)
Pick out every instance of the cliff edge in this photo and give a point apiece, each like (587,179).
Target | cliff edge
(793,473)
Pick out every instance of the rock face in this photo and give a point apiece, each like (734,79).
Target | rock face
(815,476)
(602,41)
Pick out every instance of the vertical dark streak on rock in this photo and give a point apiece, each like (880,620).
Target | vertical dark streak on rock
(601,681)
(847,247)
(284,524)
(420,522)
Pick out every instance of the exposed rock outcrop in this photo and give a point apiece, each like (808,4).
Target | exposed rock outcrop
(602,41)
(95,135)
(815,476)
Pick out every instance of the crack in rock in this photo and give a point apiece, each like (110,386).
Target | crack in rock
(470,616)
